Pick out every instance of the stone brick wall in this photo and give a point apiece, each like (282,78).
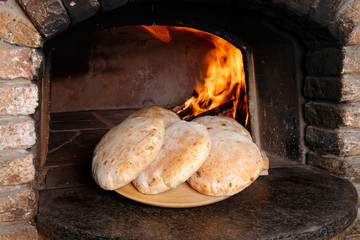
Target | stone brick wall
(19,65)
(333,113)
(331,32)
(332,87)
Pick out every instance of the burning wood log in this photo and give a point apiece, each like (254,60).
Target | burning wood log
(224,109)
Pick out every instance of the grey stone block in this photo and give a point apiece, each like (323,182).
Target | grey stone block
(342,166)
(333,115)
(20,230)
(339,142)
(17,203)
(107,5)
(341,89)
(81,10)
(324,62)
(16,167)
(48,16)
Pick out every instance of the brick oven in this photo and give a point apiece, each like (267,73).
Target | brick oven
(302,67)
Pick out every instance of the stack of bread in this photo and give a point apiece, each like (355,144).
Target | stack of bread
(156,151)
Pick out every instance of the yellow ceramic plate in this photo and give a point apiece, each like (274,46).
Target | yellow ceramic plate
(181,197)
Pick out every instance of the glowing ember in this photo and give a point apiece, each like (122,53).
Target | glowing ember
(222,77)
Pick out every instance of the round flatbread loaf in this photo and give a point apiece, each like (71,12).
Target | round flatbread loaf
(214,123)
(166,115)
(126,150)
(185,148)
(233,164)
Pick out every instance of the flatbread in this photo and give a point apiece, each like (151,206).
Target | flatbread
(185,148)
(233,164)
(214,123)
(166,115)
(126,150)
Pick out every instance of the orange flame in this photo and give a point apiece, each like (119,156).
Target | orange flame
(159,32)
(222,78)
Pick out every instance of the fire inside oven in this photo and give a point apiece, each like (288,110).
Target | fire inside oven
(211,64)
(98,80)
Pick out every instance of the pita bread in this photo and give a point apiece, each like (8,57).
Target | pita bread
(214,123)
(185,148)
(126,150)
(166,115)
(233,164)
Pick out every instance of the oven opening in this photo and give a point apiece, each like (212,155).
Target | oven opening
(100,79)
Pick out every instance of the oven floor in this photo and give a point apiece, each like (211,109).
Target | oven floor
(293,202)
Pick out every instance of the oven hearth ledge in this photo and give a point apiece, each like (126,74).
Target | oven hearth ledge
(293,202)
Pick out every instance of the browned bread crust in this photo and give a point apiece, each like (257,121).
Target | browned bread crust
(214,123)
(166,115)
(126,150)
(233,164)
(185,148)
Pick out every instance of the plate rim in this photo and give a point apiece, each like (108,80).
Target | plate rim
(129,191)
